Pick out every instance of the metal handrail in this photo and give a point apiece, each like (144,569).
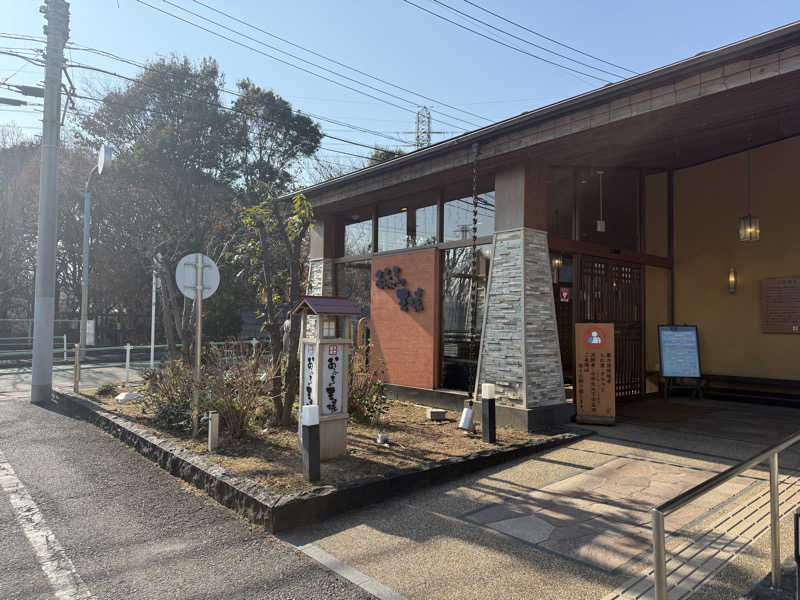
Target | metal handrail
(659,512)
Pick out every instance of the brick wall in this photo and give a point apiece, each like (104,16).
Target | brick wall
(407,342)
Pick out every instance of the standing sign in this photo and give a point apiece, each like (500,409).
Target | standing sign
(332,384)
(595,385)
(309,368)
(679,351)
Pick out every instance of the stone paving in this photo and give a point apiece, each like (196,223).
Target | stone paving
(574,523)
(602,516)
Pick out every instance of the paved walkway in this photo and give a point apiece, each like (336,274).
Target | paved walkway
(574,523)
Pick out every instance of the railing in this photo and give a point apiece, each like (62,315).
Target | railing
(658,513)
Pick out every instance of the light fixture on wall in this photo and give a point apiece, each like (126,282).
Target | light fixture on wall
(732,279)
(749,226)
(600,224)
(557,261)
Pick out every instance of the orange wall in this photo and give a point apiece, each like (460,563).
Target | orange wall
(407,342)
(709,199)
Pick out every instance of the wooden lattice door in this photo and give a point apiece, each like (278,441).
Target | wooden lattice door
(611,292)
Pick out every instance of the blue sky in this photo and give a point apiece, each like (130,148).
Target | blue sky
(399,43)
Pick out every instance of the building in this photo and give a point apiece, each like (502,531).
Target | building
(620,205)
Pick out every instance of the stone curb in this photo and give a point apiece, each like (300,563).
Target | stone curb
(285,512)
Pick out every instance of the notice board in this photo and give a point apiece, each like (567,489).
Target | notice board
(679,351)
(595,381)
(780,305)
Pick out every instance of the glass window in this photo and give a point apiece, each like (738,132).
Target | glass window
(358,238)
(458,217)
(393,231)
(462,320)
(353,281)
(425,225)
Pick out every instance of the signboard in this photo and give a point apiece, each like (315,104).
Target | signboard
(780,305)
(563,295)
(186,275)
(679,351)
(309,370)
(595,385)
(331,401)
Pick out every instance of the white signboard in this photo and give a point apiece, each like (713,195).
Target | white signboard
(90,333)
(186,275)
(309,370)
(332,374)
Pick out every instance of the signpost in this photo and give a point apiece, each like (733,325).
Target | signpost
(679,353)
(595,385)
(197,277)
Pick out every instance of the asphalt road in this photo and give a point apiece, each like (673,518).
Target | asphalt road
(125,528)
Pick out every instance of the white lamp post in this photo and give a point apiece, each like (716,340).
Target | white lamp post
(104,158)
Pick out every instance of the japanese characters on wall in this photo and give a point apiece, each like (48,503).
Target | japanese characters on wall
(595,394)
(309,370)
(331,356)
(780,305)
(390,279)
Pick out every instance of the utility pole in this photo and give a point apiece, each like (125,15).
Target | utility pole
(56,12)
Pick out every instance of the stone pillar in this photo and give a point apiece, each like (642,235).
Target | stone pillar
(321,270)
(519,348)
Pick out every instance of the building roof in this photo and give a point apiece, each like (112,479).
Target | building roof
(326,305)
(748,48)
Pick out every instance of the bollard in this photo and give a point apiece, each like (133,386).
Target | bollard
(254,343)
(309,434)
(127,361)
(76,376)
(774,513)
(213,431)
(65,347)
(488,413)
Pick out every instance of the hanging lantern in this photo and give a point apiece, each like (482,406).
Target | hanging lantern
(749,227)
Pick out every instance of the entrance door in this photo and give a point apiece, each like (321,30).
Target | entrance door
(612,292)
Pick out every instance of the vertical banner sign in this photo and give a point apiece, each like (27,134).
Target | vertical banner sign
(595,383)
(309,368)
(331,402)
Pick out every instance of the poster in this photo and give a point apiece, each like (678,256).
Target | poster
(332,374)
(309,373)
(595,385)
(679,351)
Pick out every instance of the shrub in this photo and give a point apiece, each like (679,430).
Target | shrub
(236,385)
(107,390)
(367,390)
(168,395)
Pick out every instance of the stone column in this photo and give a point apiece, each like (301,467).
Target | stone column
(321,269)
(519,347)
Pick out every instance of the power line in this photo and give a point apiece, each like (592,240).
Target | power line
(214,104)
(502,43)
(521,39)
(336,62)
(549,39)
(146,67)
(340,84)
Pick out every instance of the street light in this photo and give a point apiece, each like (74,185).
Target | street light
(104,159)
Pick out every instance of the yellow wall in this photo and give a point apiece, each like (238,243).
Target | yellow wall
(656,289)
(709,199)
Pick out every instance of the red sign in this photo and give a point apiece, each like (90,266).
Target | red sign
(595,336)
(564,295)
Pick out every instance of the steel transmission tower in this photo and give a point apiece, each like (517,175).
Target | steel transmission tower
(56,12)
(423,127)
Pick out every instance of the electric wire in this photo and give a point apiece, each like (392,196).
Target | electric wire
(338,83)
(549,39)
(144,66)
(336,62)
(521,39)
(502,43)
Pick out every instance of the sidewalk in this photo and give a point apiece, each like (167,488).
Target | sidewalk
(574,522)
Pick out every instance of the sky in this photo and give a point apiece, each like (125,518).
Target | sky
(396,41)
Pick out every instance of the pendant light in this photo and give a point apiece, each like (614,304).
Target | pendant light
(749,227)
(600,224)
